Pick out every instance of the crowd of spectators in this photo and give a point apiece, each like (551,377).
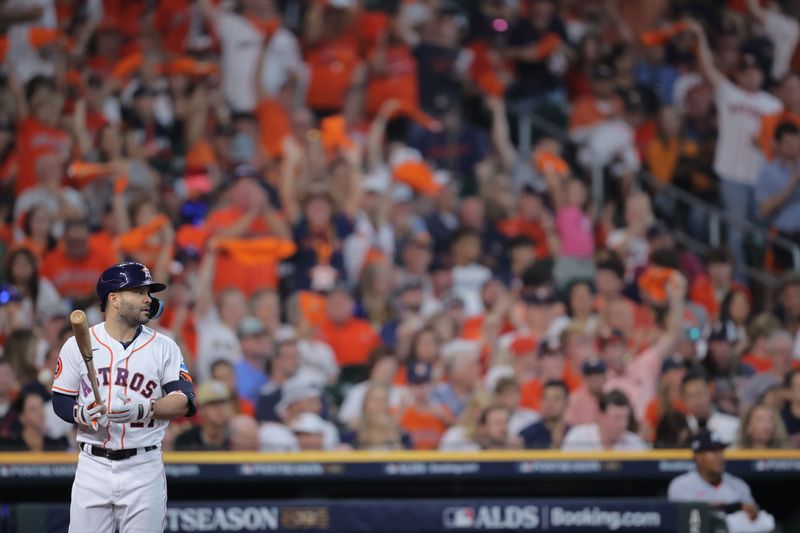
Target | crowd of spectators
(364,246)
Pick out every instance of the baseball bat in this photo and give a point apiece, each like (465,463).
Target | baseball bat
(80,327)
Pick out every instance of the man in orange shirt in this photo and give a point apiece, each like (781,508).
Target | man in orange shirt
(249,213)
(75,266)
(708,290)
(332,54)
(532,221)
(422,419)
(393,70)
(351,338)
(38,134)
(552,367)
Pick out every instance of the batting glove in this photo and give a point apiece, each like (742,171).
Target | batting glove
(131,410)
(88,414)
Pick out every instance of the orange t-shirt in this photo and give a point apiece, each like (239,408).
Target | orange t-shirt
(769,123)
(351,342)
(533,230)
(758,362)
(127,14)
(172,20)
(274,125)
(398,80)
(35,139)
(424,427)
(331,65)
(77,278)
(702,293)
(531,390)
(369,26)
(662,158)
(231,273)
(587,111)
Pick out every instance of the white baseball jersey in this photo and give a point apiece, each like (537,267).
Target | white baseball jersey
(151,361)
(690,487)
(739,112)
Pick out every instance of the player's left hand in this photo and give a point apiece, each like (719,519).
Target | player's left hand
(129,410)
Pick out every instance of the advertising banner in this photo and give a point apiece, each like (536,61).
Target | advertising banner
(405,516)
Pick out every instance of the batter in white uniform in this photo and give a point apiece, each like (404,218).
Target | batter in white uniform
(144,383)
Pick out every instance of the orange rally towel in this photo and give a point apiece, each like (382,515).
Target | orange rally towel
(136,239)
(41,37)
(661,36)
(189,236)
(253,251)
(127,65)
(334,133)
(416,114)
(549,162)
(653,282)
(418,176)
(189,67)
(85,171)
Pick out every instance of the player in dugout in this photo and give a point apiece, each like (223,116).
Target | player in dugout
(726,494)
(143,383)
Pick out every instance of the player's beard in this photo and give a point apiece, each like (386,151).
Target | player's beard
(132,316)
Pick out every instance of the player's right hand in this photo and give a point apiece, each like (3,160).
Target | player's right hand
(88,414)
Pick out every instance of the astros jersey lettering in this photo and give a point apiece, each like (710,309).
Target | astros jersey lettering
(142,369)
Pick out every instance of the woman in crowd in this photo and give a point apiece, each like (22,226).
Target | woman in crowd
(762,429)
(38,294)
(377,428)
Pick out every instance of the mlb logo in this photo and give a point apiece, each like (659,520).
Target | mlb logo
(459,517)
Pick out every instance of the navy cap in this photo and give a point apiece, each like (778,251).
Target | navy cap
(543,295)
(705,441)
(593,366)
(722,332)
(673,363)
(550,346)
(419,373)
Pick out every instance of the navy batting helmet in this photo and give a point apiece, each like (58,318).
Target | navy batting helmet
(125,276)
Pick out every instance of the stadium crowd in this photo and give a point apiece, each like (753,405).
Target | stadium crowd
(364,249)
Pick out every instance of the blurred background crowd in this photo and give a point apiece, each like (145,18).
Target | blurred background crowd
(414,224)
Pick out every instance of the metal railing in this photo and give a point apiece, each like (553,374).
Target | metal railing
(527,120)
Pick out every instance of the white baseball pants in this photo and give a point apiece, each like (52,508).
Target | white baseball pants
(130,494)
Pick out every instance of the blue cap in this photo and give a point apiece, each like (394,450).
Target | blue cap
(722,332)
(673,363)
(593,366)
(705,441)
(419,373)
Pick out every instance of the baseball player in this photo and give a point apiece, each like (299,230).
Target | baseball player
(709,482)
(143,384)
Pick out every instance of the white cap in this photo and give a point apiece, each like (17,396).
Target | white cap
(294,391)
(402,193)
(460,348)
(308,423)
(377,181)
(403,154)
(442,177)
(340,4)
